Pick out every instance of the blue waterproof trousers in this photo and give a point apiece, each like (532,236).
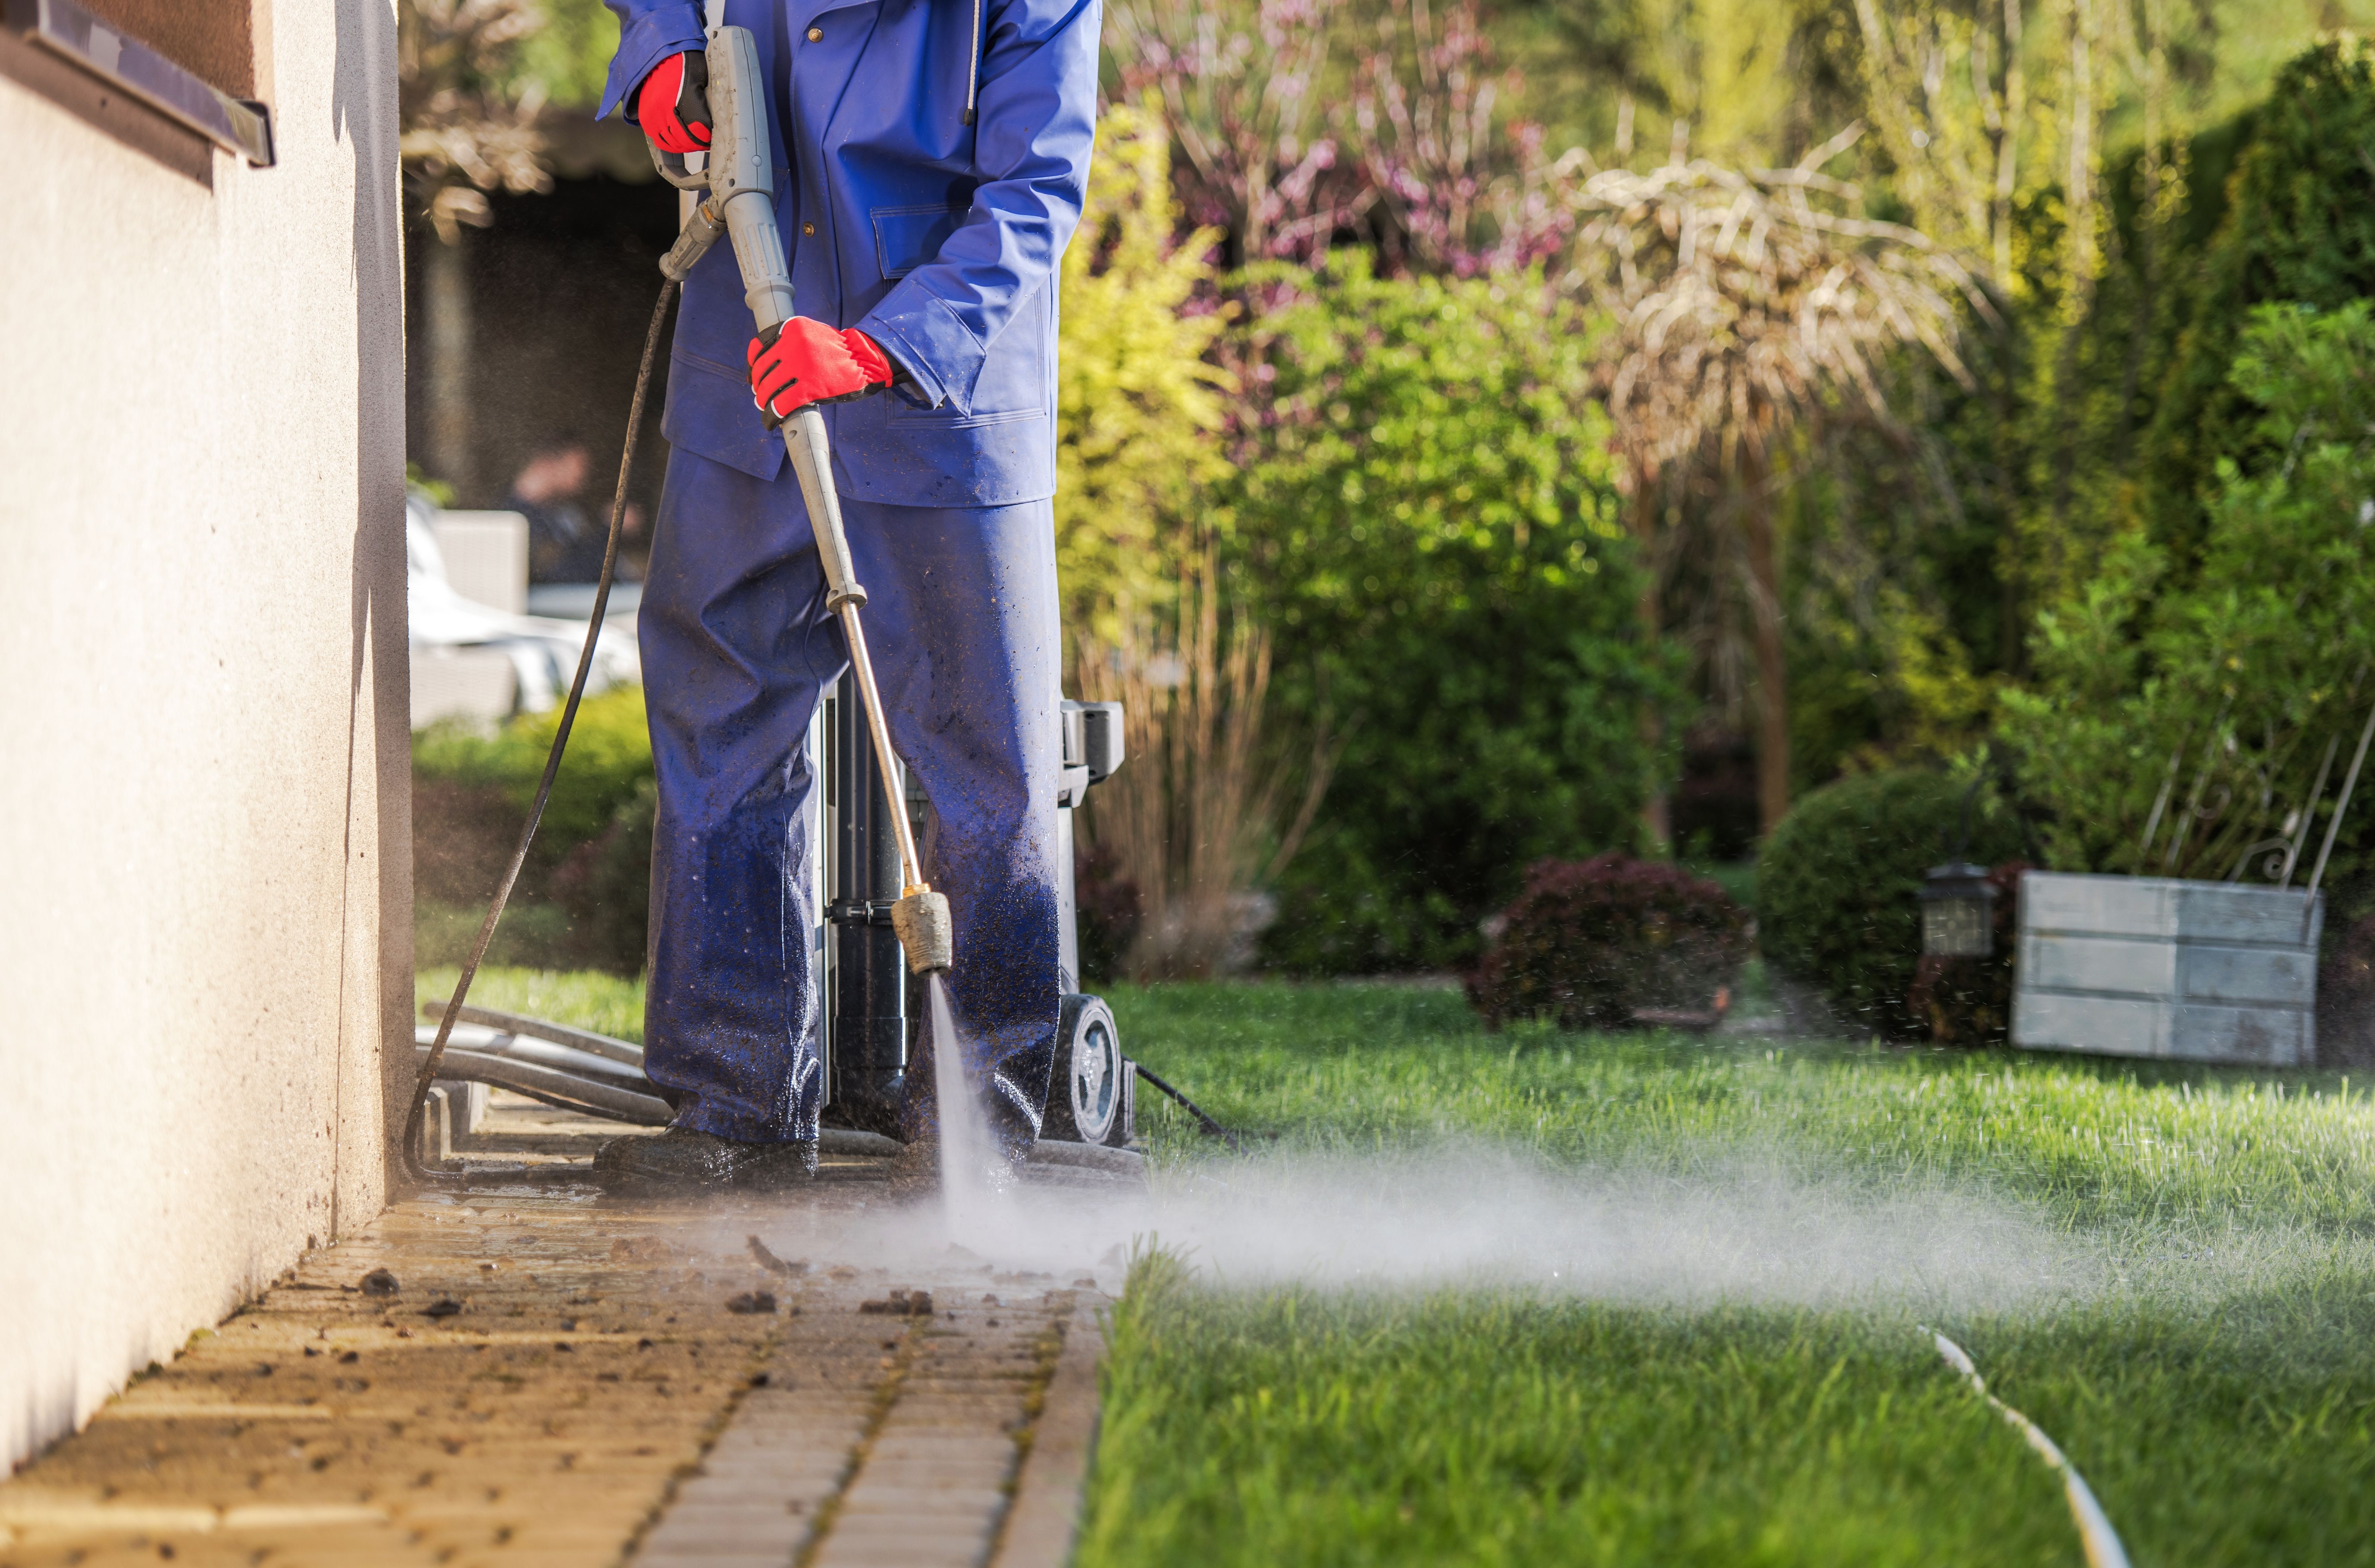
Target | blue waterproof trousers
(961,618)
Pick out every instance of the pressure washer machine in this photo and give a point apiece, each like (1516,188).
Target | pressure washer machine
(873,1002)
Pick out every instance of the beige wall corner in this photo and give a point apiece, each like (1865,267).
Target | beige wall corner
(205,931)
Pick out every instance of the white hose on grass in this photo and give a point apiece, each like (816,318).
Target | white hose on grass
(2094,1532)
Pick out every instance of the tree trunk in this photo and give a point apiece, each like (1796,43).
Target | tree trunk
(2011,649)
(445,308)
(1772,672)
(1657,807)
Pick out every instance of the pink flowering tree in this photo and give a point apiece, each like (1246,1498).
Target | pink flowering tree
(1240,88)
(1454,191)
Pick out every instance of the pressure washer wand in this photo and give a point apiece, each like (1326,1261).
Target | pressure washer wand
(741,205)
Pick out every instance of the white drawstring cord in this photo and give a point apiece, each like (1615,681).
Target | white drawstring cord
(973,66)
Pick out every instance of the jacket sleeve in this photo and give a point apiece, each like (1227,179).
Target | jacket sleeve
(1032,131)
(649,32)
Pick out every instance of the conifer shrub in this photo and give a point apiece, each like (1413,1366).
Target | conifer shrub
(1838,888)
(609,758)
(1593,944)
(2300,229)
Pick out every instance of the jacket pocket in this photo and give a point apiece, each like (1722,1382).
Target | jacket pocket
(1014,384)
(709,412)
(908,237)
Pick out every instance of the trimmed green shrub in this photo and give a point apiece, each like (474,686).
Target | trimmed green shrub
(581,898)
(609,758)
(1425,517)
(532,934)
(463,835)
(1838,885)
(1591,944)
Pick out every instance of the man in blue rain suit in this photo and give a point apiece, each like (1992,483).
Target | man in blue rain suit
(931,157)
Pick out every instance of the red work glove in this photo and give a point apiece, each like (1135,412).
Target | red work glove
(673,103)
(807,361)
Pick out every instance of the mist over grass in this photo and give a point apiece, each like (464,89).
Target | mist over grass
(1720,1233)
(1381,1067)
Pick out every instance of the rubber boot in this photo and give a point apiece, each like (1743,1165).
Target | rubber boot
(680,1159)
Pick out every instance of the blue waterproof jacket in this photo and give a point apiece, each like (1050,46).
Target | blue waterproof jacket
(936,238)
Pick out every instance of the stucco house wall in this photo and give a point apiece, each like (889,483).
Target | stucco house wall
(204,868)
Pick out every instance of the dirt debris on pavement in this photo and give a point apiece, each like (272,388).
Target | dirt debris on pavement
(610,1392)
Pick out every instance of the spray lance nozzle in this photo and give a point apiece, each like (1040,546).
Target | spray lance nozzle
(921,920)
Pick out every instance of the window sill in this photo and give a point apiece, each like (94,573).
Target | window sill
(62,29)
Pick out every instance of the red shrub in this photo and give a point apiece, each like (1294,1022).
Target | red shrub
(1595,943)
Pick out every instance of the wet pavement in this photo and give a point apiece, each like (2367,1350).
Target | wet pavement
(562,1378)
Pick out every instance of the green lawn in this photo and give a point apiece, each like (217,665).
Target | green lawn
(2218,1391)
(2219,1398)
(1379,1067)
(587,998)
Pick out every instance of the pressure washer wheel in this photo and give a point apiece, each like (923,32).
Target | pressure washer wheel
(1088,1095)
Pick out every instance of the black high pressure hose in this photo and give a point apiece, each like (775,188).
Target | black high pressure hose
(406,1147)
(1210,1127)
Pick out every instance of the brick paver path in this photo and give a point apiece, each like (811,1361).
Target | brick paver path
(564,1381)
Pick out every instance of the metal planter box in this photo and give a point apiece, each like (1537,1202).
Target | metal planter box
(2141,966)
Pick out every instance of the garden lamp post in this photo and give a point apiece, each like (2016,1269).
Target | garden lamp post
(1958,905)
(1958,910)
